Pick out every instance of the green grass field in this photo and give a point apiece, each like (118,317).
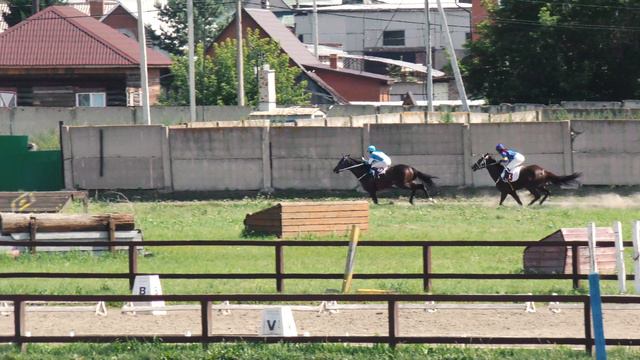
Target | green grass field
(472,217)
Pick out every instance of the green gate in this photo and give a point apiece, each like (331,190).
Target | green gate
(28,170)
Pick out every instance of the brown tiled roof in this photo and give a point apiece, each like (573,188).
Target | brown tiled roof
(62,37)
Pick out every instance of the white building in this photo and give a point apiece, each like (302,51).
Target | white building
(394,30)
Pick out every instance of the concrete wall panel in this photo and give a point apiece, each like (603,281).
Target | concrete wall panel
(217,174)
(311,174)
(315,142)
(118,173)
(606,136)
(528,138)
(118,141)
(408,139)
(608,169)
(216,143)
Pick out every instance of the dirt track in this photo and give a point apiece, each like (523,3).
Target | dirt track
(412,322)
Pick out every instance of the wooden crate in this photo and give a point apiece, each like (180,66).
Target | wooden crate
(292,219)
(559,259)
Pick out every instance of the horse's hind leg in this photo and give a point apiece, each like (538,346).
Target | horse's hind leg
(546,194)
(535,193)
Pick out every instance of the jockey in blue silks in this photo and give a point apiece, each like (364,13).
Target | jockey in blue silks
(510,159)
(378,161)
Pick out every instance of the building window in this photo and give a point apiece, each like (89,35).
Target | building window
(91,99)
(8,98)
(393,38)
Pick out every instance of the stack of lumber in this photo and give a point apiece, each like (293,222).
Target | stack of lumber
(292,219)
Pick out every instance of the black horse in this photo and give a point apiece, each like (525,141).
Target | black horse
(532,177)
(400,176)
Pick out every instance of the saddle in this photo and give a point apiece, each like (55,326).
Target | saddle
(513,175)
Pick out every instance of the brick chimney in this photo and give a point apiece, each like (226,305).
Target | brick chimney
(267,89)
(333,61)
(96,8)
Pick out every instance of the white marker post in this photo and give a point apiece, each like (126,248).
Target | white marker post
(622,273)
(635,237)
(278,322)
(148,285)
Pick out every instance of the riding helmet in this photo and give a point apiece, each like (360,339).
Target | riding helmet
(500,147)
(371,149)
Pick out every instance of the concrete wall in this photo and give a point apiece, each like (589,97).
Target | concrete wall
(34,121)
(304,157)
(433,149)
(127,157)
(218,158)
(546,144)
(607,152)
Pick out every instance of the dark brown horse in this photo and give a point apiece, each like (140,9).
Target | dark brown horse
(532,177)
(400,176)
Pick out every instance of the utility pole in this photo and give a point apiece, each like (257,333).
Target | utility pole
(427,40)
(315,29)
(454,60)
(144,81)
(192,65)
(240,59)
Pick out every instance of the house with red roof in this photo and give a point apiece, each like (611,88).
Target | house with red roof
(327,84)
(62,57)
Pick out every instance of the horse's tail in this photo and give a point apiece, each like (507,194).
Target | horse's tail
(426,178)
(562,180)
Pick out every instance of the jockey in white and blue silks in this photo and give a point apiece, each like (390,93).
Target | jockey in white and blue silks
(510,158)
(378,161)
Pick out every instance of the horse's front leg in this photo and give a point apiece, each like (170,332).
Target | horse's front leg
(374,197)
(413,193)
(503,195)
(516,197)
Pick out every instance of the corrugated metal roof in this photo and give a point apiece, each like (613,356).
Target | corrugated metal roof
(287,40)
(61,36)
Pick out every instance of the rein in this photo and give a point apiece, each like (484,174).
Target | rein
(351,167)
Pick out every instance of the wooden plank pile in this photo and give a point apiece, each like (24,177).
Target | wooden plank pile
(292,219)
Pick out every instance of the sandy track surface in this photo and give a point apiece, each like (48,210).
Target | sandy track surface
(412,322)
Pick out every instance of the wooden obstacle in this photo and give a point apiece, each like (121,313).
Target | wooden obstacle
(558,259)
(291,219)
(38,201)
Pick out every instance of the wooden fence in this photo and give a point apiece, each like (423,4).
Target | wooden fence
(392,337)
(279,274)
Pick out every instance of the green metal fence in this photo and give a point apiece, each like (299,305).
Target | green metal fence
(28,170)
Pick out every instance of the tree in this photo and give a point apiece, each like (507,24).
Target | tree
(216,77)
(546,52)
(207,17)
(22,9)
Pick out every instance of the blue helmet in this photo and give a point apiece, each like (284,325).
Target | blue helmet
(371,149)
(500,147)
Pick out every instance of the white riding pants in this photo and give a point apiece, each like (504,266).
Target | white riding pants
(517,160)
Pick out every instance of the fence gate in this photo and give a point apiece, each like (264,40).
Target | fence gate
(27,170)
